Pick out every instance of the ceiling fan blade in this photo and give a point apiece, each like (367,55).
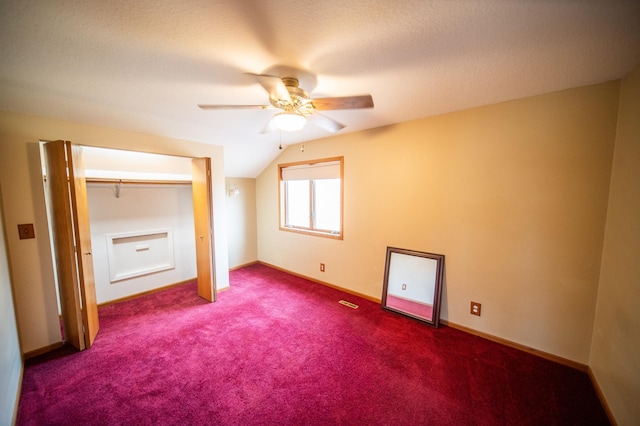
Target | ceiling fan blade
(347,102)
(205,106)
(325,122)
(274,86)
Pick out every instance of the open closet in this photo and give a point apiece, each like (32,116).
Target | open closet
(124,223)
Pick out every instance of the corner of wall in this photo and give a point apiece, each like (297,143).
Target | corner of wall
(615,339)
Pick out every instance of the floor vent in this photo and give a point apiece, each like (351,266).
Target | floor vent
(349,304)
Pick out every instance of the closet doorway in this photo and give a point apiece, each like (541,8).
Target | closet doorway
(67,207)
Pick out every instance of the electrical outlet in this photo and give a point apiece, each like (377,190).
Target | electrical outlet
(322,267)
(404,286)
(475,308)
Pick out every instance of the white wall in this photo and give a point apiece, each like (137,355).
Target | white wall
(21,169)
(10,354)
(141,208)
(121,164)
(513,194)
(417,273)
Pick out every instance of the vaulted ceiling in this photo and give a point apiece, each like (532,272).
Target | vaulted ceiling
(145,65)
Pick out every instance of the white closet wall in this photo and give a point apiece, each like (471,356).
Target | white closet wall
(141,208)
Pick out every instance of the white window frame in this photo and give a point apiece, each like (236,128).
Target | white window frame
(314,169)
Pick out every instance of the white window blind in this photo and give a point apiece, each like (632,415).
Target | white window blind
(324,170)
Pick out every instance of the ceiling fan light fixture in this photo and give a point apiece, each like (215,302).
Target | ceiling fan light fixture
(289,121)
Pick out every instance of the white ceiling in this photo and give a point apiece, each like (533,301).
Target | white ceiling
(145,65)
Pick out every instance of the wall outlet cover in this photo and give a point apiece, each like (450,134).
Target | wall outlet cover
(476,308)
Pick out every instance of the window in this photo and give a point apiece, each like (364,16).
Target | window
(311,197)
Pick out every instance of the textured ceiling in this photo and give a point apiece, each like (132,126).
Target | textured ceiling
(145,65)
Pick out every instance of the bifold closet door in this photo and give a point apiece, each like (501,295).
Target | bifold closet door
(203,220)
(67,192)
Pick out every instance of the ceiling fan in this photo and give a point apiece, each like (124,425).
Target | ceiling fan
(296,106)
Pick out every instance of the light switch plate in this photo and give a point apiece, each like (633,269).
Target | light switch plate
(26,231)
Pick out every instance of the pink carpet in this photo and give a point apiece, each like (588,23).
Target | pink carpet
(277,349)
(419,309)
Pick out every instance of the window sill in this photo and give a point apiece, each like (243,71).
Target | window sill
(333,236)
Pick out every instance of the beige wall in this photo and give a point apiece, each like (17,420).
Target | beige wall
(20,175)
(615,351)
(241,222)
(514,195)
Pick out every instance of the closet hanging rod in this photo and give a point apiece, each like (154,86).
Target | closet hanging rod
(137,181)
